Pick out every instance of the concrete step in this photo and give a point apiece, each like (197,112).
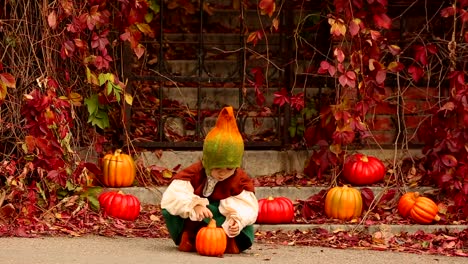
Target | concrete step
(153,196)
(264,162)
(369,229)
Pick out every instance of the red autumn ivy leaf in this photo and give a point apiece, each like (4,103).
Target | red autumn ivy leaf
(77,25)
(382,21)
(381,76)
(339,54)
(313,204)
(68,49)
(67,6)
(258,76)
(343,136)
(420,54)
(325,67)
(297,101)
(258,84)
(449,160)
(394,49)
(281,97)
(8,80)
(448,11)
(267,7)
(431,48)
(96,17)
(259,97)
(58,177)
(348,79)
(52,19)
(388,195)
(254,37)
(416,72)
(100,41)
(395,66)
(367,196)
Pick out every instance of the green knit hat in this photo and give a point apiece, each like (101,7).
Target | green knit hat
(223,146)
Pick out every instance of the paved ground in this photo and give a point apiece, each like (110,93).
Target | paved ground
(97,250)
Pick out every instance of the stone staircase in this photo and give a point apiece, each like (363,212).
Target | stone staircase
(260,163)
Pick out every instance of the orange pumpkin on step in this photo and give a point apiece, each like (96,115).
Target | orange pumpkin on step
(343,203)
(421,209)
(119,170)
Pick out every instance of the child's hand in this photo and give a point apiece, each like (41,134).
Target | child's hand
(233,229)
(202,212)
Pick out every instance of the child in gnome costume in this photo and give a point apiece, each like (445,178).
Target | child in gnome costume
(215,187)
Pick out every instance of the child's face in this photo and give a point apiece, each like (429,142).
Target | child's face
(221,174)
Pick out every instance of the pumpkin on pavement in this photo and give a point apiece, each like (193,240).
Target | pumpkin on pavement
(343,203)
(275,210)
(118,170)
(120,205)
(211,240)
(360,169)
(421,209)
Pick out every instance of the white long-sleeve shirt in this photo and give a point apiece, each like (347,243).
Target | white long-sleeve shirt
(180,199)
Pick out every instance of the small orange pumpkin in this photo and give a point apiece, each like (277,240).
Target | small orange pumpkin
(421,209)
(211,240)
(118,170)
(343,203)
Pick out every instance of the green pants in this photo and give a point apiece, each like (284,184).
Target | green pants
(175,225)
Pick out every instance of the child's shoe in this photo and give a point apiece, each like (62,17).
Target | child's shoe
(186,243)
(231,247)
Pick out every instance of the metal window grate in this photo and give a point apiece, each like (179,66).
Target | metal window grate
(196,68)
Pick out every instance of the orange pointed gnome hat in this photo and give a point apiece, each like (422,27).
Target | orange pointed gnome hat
(223,146)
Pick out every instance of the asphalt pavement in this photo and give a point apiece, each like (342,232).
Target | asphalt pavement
(97,250)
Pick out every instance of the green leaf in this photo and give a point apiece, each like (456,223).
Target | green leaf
(92,104)
(70,186)
(105,77)
(92,196)
(94,202)
(153,5)
(109,89)
(292,131)
(300,130)
(149,17)
(100,119)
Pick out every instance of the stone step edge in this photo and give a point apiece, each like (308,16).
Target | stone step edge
(152,195)
(370,229)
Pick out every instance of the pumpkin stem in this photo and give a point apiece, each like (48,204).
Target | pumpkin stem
(437,218)
(270,198)
(364,158)
(212,223)
(416,194)
(117,152)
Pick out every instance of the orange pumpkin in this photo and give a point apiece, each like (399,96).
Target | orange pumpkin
(343,203)
(118,170)
(211,240)
(421,209)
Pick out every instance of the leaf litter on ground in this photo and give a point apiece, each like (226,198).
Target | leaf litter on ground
(150,224)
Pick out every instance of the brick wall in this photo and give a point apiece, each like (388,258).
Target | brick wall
(412,108)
